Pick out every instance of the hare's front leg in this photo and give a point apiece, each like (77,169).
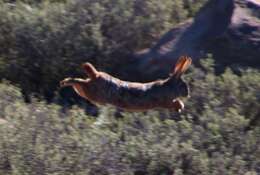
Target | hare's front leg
(178,105)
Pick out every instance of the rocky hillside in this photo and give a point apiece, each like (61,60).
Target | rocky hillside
(229,29)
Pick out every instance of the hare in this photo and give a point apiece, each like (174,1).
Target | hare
(102,88)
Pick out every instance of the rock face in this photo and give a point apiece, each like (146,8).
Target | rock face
(229,29)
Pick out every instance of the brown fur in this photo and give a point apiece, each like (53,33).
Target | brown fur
(102,88)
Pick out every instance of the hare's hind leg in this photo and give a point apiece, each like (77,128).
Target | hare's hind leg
(178,105)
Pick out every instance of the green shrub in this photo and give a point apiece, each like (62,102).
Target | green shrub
(43,42)
(209,137)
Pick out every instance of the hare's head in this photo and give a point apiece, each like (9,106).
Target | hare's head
(181,87)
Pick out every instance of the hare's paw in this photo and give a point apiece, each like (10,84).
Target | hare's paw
(178,105)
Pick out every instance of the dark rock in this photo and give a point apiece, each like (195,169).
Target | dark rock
(229,29)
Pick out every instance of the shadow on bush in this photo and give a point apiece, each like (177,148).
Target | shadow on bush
(43,42)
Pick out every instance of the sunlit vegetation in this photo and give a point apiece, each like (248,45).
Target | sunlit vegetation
(41,42)
(213,135)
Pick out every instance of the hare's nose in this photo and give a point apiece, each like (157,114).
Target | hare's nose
(61,83)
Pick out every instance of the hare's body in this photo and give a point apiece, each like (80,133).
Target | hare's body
(102,88)
(128,95)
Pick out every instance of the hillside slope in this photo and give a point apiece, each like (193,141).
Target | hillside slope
(229,29)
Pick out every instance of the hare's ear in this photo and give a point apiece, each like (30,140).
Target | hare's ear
(90,70)
(181,66)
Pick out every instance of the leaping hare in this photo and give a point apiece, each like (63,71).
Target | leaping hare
(102,88)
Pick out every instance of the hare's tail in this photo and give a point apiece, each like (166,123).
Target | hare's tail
(90,70)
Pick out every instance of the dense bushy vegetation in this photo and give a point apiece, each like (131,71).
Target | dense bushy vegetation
(44,41)
(213,135)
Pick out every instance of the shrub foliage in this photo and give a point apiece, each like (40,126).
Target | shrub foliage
(213,135)
(44,41)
